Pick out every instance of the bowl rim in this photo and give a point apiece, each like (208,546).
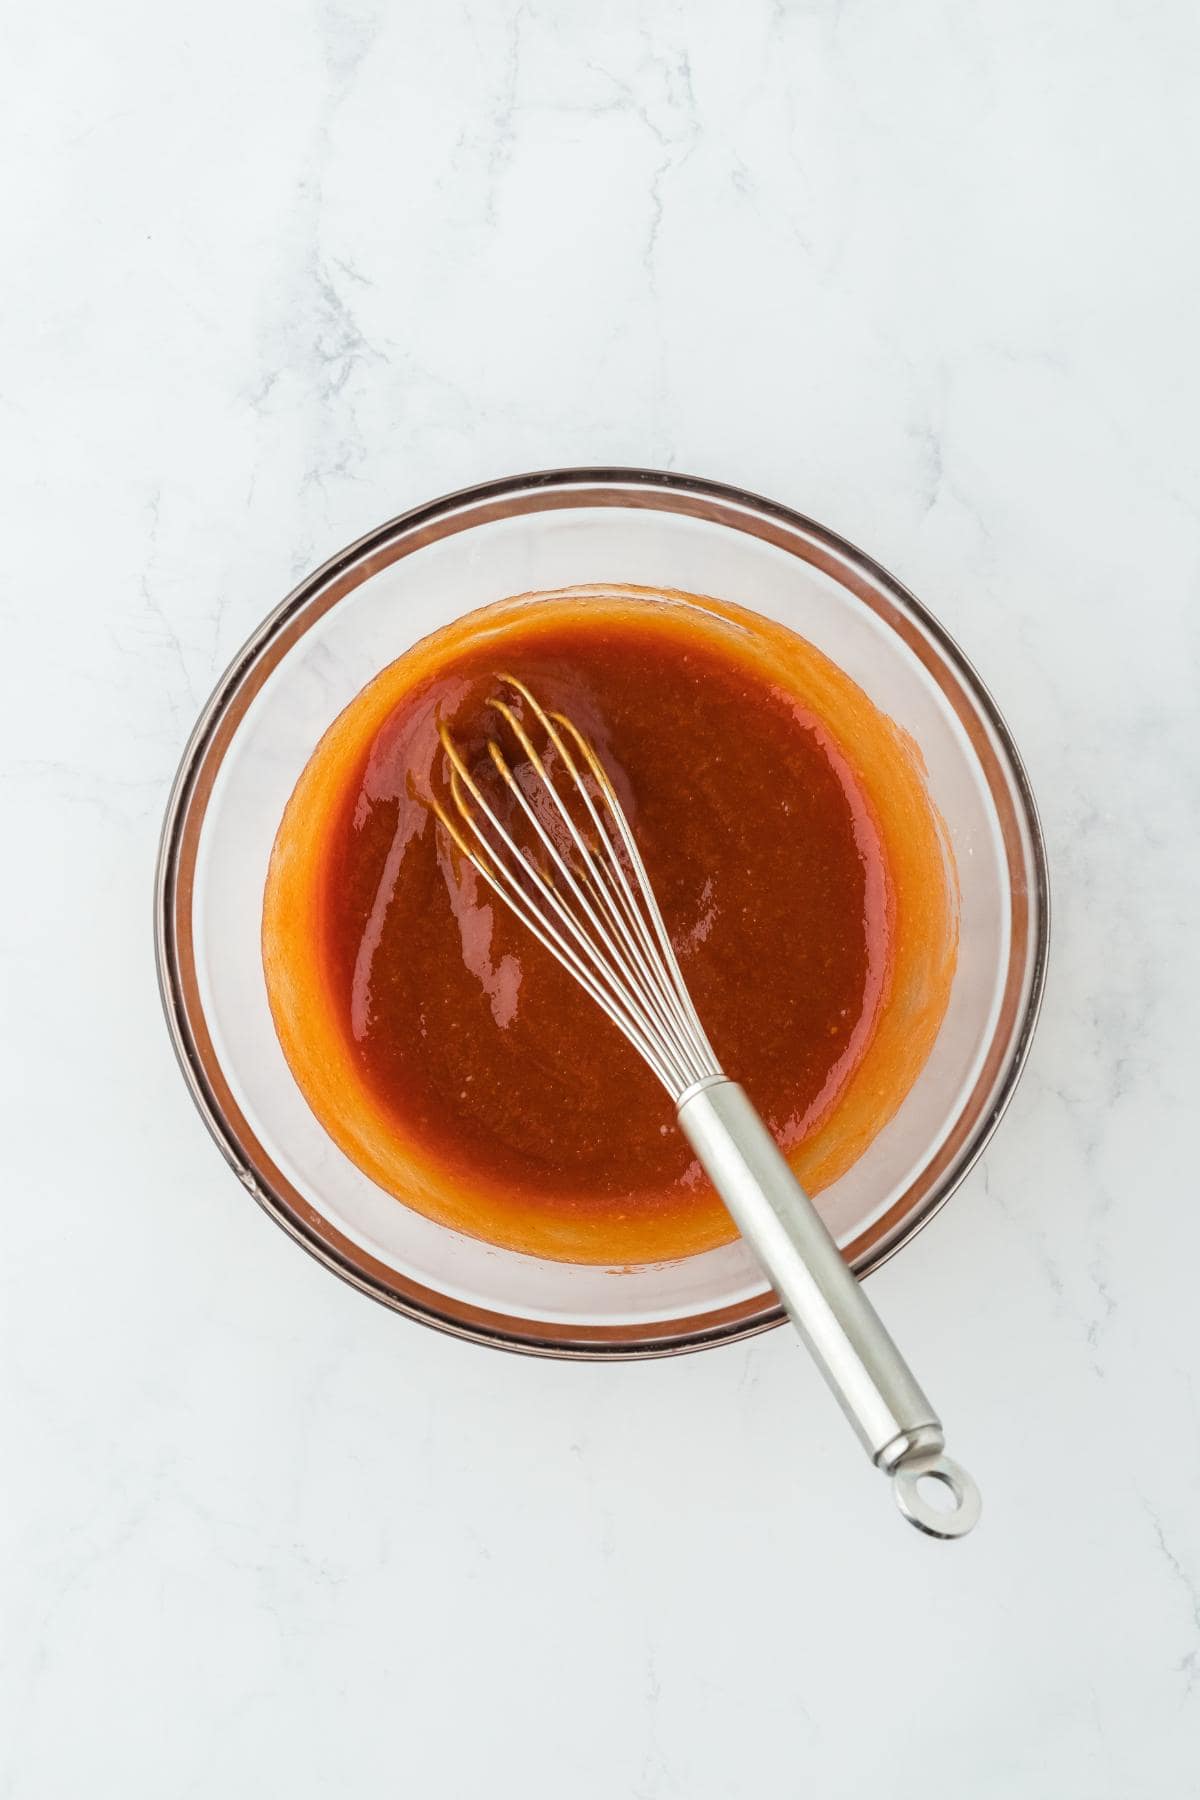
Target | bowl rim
(546,490)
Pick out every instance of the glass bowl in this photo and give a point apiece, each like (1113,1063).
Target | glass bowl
(360,611)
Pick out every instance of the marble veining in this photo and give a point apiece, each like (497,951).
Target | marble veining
(275,273)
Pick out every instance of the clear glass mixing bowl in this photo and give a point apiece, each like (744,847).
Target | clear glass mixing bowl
(361,610)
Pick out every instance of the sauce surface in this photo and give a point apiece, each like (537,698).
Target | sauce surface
(473,1075)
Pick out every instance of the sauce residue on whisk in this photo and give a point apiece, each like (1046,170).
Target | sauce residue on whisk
(797,861)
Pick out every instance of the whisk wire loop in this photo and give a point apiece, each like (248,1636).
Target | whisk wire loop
(592,907)
(498,873)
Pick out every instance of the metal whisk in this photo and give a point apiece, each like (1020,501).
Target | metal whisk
(581,887)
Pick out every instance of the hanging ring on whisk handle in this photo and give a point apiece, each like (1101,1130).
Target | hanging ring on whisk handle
(878,1392)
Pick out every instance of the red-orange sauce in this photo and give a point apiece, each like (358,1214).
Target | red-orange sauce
(472,1074)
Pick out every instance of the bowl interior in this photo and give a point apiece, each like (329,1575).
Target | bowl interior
(364,611)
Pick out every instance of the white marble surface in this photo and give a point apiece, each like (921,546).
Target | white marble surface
(273,273)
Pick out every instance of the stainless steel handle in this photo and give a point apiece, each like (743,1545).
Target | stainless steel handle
(878,1392)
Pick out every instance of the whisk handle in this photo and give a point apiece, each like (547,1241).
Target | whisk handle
(878,1392)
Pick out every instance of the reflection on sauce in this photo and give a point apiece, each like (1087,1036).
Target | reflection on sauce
(802,878)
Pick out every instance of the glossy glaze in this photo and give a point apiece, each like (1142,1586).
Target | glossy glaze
(470,1049)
